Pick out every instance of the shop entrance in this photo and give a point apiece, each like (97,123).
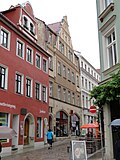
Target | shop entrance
(61,124)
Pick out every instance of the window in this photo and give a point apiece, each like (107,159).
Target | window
(73,77)
(59,92)
(3,119)
(29,55)
(39,127)
(68,74)
(19,83)
(5,38)
(77,81)
(44,93)
(51,62)
(78,100)
(25,22)
(61,47)
(3,77)
(86,102)
(64,94)
(86,83)
(50,38)
(51,89)
(89,86)
(70,56)
(28,87)
(83,101)
(81,64)
(111,49)
(37,91)
(38,61)
(82,81)
(59,68)
(31,28)
(45,65)
(20,49)
(69,97)
(64,71)
(73,98)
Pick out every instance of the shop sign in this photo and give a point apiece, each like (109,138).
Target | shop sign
(7,105)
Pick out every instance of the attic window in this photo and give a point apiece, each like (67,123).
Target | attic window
(25,23)
(31,28)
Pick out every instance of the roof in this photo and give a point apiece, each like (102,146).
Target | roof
(55,26)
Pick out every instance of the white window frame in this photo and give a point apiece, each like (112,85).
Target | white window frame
(8,38)
(6,77)
(22,83)
(18,40)
(31,50)
(44,93)
(39,98)
(46,66)
(50,88)
(39,67)
(31,85)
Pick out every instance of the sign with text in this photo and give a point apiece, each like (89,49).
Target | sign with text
(79,150)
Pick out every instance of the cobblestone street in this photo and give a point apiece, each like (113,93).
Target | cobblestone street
(58,152)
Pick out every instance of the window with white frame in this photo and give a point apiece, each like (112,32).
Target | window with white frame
(28,87)
(82,81)
(68,74)
(37,90)
(51,62)
(64,71)
(86,102)
(73,77)
(25,22)
(4,118)
(20,49)
(73,98)
(50,88)
(3,77)
(59,92)
(70,56)
(38,61)
(44,93)
(45,65)
(64,94)
(111,49)
(19,83)
(5,38)
(69,97)
(83,101)
(86,83)
(59,68)
(77,80)
(29,55)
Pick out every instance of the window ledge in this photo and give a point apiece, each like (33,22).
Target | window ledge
(109,8)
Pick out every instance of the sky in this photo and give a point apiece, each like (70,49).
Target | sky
(82,20)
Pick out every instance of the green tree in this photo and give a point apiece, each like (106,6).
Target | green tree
(105,93)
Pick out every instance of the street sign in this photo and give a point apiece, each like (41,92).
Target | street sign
(92,109)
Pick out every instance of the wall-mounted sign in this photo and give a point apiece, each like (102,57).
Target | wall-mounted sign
(7,105)
(42,111)
(79,150)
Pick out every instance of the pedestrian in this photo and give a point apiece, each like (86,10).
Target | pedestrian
(49,138)
(118,148)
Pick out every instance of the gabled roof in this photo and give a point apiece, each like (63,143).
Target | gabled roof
(55,26)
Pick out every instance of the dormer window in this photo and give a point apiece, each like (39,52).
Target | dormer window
(25,22)
(31,28)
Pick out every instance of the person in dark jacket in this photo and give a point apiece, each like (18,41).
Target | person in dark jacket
(118,148)
(49,138)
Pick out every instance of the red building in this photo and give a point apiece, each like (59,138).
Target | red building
(24,78)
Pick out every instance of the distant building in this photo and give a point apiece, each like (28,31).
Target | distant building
(108,14)
(90,77)
(24,78)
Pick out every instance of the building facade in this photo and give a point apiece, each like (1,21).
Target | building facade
(24,78)
(64,95)
(109,38)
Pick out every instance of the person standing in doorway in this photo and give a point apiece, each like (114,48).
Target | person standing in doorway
(49,138)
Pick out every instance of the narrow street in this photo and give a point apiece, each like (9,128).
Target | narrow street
(58,152)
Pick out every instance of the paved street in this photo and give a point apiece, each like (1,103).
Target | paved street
(58,152)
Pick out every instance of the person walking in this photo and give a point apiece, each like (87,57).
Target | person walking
(49,138)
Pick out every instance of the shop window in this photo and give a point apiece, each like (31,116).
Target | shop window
(39,127)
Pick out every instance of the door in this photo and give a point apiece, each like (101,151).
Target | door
(26,132)
(15,124)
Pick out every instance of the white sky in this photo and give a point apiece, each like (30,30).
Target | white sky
(82,20)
